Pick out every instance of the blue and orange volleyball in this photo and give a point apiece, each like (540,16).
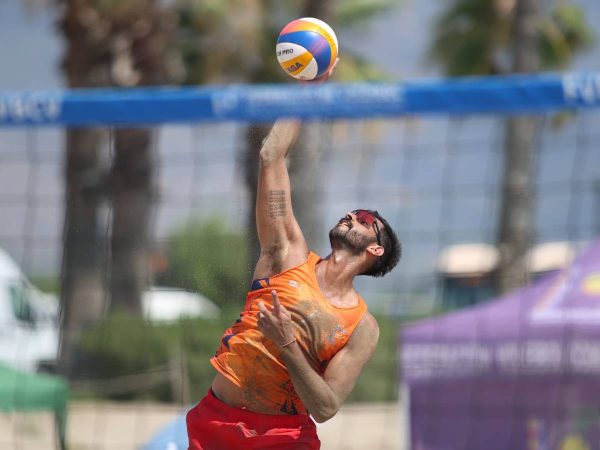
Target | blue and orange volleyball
(306,48)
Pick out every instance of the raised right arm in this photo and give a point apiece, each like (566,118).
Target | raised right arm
(282,244)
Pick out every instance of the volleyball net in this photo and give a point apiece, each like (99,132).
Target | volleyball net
(140,202)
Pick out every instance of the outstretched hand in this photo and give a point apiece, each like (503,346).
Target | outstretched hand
(276,324)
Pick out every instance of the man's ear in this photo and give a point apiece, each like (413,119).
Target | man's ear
(375,249)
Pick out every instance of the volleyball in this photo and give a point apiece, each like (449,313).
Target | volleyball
(306,48)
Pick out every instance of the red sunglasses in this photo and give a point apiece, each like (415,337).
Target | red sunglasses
(368,218)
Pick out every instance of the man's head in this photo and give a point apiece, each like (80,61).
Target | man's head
(364,230)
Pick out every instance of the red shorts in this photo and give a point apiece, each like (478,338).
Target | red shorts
(214,425)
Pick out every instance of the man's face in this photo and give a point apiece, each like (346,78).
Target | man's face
(355,232)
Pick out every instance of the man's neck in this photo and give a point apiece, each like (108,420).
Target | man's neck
(336,274)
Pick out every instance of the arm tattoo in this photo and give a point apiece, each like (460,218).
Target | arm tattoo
(277,206)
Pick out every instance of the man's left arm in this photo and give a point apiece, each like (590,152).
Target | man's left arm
(322,396)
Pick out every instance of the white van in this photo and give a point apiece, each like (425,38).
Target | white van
(28,320)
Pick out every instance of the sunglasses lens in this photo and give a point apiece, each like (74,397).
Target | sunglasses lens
(364,216)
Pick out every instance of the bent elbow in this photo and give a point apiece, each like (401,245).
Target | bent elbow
(320,419)
(325,414)
(267,157)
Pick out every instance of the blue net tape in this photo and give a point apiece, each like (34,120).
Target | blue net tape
(254,103)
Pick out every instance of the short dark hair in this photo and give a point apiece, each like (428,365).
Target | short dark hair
(392,251)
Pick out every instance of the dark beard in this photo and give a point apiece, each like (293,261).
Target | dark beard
(348,239)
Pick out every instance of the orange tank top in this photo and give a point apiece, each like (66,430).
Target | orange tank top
(254,363)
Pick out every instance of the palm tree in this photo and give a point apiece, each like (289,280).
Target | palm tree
(82,296)
(489,37)
(516,210)
(108,44)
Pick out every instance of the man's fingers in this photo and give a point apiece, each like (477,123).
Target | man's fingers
(274,314)
(332,68)
(276,303)
(265,312)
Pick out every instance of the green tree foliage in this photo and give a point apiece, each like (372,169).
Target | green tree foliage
(474,37)
(564,31)
(208,257)
(102,355)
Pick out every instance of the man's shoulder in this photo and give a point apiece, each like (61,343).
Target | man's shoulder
(369,322)
(366,332)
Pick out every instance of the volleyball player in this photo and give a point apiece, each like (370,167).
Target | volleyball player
(304,334)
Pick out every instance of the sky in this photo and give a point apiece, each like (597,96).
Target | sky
(31,49)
